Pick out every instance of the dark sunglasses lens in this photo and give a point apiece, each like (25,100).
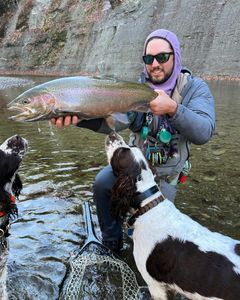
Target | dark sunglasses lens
(148,59)
(162,57)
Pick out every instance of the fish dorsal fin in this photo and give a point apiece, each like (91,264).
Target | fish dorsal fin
(106,77)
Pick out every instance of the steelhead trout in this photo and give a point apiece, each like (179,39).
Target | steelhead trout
(86,97)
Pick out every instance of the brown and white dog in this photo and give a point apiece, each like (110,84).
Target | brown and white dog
(171,251)
(11,155)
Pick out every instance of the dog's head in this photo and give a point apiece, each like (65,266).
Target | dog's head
(133,174)
(12,152)
(15,145)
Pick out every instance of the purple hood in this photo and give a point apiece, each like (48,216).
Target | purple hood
(168,85)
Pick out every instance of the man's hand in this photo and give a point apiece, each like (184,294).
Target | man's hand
(65,121)
(163,104)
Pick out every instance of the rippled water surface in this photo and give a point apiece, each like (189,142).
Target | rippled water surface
(58,172)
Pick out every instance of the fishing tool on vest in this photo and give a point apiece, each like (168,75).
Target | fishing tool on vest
(96,273)
(155,152)
(165,130)
(160,146)
(164,136)
(185,172)
(146,127)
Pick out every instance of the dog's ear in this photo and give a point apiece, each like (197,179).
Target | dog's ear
(123,193)
(9,165)
(17,186)
(120,161)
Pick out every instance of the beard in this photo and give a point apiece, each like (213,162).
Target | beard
(157,80)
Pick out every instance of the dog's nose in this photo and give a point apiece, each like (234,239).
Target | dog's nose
(17,137)
(110,138)
(113,136)
(17,143)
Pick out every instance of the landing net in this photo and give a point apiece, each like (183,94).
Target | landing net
(96,273)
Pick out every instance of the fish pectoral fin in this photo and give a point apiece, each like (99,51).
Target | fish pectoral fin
(110,122)
(117,117)
(120,117)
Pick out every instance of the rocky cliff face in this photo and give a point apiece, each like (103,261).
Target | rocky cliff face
(106,37)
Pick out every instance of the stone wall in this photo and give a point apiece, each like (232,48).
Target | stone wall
(106,37)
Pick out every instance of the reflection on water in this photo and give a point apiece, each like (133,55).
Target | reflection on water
(212,193)
(58,173)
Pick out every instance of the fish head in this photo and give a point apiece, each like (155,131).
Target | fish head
(32,105)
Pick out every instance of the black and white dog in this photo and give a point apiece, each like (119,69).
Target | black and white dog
(171,251)
(11,155)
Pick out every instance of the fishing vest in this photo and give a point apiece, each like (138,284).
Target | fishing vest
(166,159)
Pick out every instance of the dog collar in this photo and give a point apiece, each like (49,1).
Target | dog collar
(13,200)
(144,209)
(5,226)
(151,191)
(4,229)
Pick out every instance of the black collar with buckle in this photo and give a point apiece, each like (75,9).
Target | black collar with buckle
(4,228)
(153,190)
(149,192)
(5,224)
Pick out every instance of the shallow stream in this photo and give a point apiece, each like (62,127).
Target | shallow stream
(58,173)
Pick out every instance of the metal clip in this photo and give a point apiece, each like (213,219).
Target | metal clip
(149,117)
(1,233)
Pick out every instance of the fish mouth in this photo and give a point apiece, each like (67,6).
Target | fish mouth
(26,114)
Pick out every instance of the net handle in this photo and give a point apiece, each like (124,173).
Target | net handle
(91,236)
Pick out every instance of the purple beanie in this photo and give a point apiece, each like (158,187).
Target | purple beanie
(169,36)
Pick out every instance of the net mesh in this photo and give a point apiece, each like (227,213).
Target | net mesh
(95,275)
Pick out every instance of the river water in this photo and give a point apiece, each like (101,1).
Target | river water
(58,173)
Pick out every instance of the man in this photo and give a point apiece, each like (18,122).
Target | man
(183,113)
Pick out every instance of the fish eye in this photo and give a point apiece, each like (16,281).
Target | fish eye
(25,101)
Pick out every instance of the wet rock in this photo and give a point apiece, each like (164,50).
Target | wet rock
(218,152)
(64,194)
(221,133)
(205,216)
(206,200)
(209,176)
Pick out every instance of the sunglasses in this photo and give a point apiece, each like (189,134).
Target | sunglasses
(161,58)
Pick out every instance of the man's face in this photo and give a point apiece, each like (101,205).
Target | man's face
(159,72)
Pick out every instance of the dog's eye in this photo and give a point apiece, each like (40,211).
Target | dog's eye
(139,178)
